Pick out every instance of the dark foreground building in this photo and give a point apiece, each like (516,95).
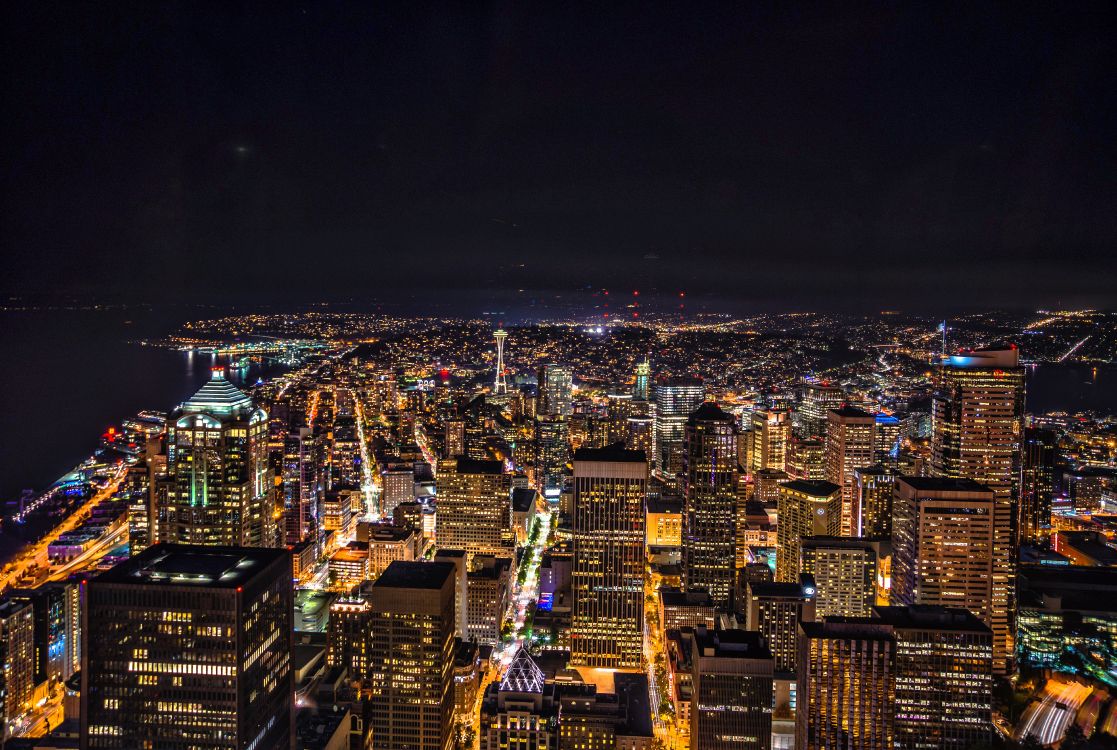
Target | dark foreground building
(189,647)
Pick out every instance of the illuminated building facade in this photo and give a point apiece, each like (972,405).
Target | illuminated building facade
(942,544)
(347,636)
(977,431)
(488,586)
(818,399)
(474,507)
(1038,483)
(411,656)
(775,611)
(710,497)
(806,459)
(552,453)
(771,437)
(664,522)
(731,704)
(219,489)
(17,660)
(873,488)
(805,509)
(847,685)
(520,711)
(610,486)
(944,677)
(189,647)
(556,390)
(850,445)
(675,399)
(641,386)
(845,571)
(387,543)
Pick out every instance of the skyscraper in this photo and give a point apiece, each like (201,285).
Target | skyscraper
(552,453)
(1038,484)
(710,496)
(847,685)
(844,570)
(17,661)
(219,488)
(610,486)
(850,436)
(556,384)
(805,509)
(474,510)
(944,677)
(188,647)
(641,387)
(818,398)
(731,705)
(943,536)
(411,656)
(771,437)
(976,434)
(872,488)
(675,399)
(775,611)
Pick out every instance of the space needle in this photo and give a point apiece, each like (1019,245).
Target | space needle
(500,387)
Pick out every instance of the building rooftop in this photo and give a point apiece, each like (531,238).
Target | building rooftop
(415,575)
(859,628)
(943,484)
(611,454)
(384,532)
(931,617)
(709,412)
(665,505)
(730,644)
(477,466)
(523,498)
(523,676)
(812,487)
(193,565)
(852,412)
(218,396)
(776,590)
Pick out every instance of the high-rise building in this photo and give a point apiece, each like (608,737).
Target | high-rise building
(771,436)
(17,661)
(347,636)
(675,399)
(845,571)
(488,586)
(731,703)
(847,685)
(944,677)
(641,386)
(942,537)
(886,436)
(219,489)
(411,656)
(775,611)
(818,398)
(805,509)
(189,646)
(520,711)
(806,459)
(610,487)
(872,489)
(556,386)
(1038,485)
(977,430)
(552,453)
(474,507)
(710,497)
(300,487)
(850,445)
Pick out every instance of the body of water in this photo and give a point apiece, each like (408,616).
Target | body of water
(70,374)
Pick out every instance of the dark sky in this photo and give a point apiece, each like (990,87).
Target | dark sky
(270,151)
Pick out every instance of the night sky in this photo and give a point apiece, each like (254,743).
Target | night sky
(960,156)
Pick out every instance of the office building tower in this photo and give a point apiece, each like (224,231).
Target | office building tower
(610,485)
(640,436)
(872,489)
(520,711)
(850,445)
(805,509)
(17,661)
(388,543)
(886,437)
(347,636)
(641,386)
(710,497)
(775,610)
(1038,485)
(977,430)
(675,399)
(474,507)
(398,482)
(189,646)
(300,486)
(847,685)
(454,438)
(411,656)
(488,588)
(806,459)
(943,534)
(818,398)
(731,704)
(552,453)
(844,570)
(556,390)
(219,489)
(49,633)
(944,677)
(771,436)
(456,557)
